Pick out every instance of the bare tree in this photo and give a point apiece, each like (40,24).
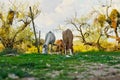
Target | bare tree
(85,30)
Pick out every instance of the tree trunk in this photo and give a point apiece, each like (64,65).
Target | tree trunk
(34,29)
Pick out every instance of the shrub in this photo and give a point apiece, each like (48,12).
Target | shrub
(9,51)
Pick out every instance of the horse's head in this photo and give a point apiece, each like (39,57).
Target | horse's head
(45,49)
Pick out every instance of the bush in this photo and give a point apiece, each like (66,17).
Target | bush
(9,51)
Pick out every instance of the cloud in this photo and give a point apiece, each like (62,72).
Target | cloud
(57,16)
(67,2)
(55,12)
(45,19)
(65,6)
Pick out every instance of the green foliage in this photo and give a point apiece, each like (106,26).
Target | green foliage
(114,14)
(101,19)
(13,25)
(25,35)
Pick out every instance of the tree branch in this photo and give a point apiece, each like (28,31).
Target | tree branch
(24,26)
(71,22)
(1,17)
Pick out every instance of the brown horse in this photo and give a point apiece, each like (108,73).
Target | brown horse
(68,40)
(59,46)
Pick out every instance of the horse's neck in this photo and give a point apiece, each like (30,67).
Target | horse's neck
(47,41)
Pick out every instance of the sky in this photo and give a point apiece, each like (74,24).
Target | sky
(55,12)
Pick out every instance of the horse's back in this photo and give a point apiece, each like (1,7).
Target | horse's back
(67,35)
(50,36)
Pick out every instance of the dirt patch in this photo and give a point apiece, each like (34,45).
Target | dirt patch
(53,74)
(96,71)
(110,77)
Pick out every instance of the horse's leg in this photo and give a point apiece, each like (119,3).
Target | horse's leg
(51,49)
(61,50)
(70,46)
(65,49)
(70,49)
(70,52)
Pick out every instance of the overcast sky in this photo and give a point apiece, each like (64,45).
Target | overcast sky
(55,12)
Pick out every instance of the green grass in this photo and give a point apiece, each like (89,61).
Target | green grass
(44,67)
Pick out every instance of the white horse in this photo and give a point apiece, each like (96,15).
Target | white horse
(49,39)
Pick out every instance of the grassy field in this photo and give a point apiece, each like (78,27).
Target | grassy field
(81,66)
